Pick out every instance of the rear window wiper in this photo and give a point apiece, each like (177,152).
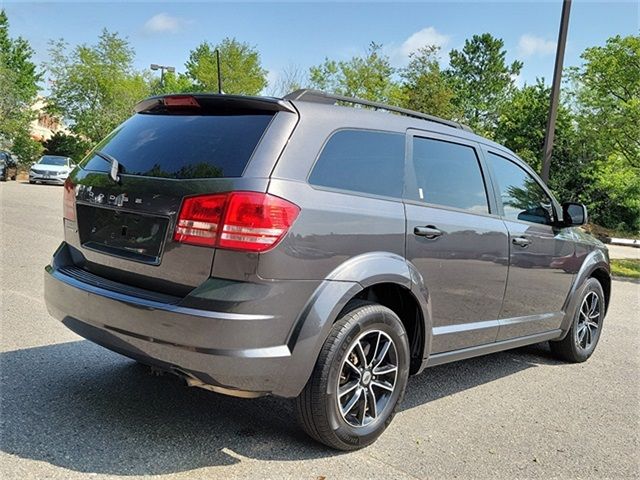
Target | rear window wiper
(115,165)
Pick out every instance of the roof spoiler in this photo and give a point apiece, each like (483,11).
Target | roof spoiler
(211,103)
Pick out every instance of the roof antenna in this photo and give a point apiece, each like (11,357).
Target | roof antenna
(219,75)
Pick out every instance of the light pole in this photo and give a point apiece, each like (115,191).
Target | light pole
(547,150)
(162,68)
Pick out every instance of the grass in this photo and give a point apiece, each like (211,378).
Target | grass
(601,232)
(629,267)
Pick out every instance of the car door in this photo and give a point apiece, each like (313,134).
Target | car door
(542,256)
(455,239)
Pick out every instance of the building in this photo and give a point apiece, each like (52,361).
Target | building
(45,125)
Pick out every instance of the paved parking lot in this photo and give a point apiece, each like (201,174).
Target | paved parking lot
(70,409)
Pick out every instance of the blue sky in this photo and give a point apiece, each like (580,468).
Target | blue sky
(304,33)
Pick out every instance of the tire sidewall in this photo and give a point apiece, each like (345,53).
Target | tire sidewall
(591,285)
(367,318)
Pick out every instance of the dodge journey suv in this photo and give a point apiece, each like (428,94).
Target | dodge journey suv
(304,248)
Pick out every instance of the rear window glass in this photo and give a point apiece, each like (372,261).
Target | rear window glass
(182,146)
(362,161)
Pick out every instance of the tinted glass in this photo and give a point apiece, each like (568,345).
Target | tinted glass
(362,161)
(53,160)
(522,196)
(182,146)
(448,174)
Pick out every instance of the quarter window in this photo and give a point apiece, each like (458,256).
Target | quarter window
(448,174)
(362,161)
(522,196)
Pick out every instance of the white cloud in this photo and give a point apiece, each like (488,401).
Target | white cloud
(164,23)
(427,36)
(529,45)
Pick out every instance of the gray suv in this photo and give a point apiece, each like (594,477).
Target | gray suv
(304,248)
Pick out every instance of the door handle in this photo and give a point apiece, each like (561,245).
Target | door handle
(429,231)
(521,241)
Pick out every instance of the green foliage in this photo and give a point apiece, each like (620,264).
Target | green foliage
(240,68)
(482,81)
(629,267)
(67,146)
(611,190)
(521,127)
(425,88)
(95,86)
(15,56)
(26,148)
(368,76)
(18,88)
(171,83)
(607,94)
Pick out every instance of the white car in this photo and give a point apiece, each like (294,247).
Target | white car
(51,169)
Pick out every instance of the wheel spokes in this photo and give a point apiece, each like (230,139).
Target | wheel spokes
(367,378)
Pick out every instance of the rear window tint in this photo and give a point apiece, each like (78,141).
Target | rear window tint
(362,161)
(182,146)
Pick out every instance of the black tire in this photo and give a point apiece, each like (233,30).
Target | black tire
(32,182)
(579,344)
(318,409)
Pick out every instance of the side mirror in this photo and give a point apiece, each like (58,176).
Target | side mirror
(574,214)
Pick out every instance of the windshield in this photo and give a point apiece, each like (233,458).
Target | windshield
(181,146)
(51,160)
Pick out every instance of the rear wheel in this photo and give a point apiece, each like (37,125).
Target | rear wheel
(359,379)
(581,340)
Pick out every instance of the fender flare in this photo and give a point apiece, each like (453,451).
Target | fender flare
(594,260)
(314,323)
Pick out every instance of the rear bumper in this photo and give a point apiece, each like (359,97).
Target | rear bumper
(200,344)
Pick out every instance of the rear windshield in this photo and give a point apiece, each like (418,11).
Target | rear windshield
(182,146)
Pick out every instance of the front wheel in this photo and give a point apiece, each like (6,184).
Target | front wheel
(359,379)
(581,339)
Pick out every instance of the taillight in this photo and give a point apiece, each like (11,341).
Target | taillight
(199,220)
(247,221)
(69,200)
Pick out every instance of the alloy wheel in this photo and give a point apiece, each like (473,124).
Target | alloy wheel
(588,320)
(367,378)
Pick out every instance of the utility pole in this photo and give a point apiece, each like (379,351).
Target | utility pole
(547,150)
(219,76)
(162,68)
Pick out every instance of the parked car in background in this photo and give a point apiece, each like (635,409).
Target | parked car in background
(301,248)
(51,169)
(8,166)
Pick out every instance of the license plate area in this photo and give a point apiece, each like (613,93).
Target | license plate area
(133,236)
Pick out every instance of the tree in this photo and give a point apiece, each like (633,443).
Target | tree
(368,76)
(425,88)
(291,78)
(15,56)
(607,94)
(240,68)
(482,81)
(95,87)
(521,127)
(67,146)
(18,88)
(171,83)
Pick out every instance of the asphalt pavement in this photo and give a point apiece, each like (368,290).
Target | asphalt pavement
(70,409)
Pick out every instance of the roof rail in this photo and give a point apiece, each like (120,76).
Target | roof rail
(317,96)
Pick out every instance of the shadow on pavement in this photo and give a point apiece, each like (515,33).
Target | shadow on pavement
(78,406)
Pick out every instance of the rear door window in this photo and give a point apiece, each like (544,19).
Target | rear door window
(182,146)
(448,174)
(362,161)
